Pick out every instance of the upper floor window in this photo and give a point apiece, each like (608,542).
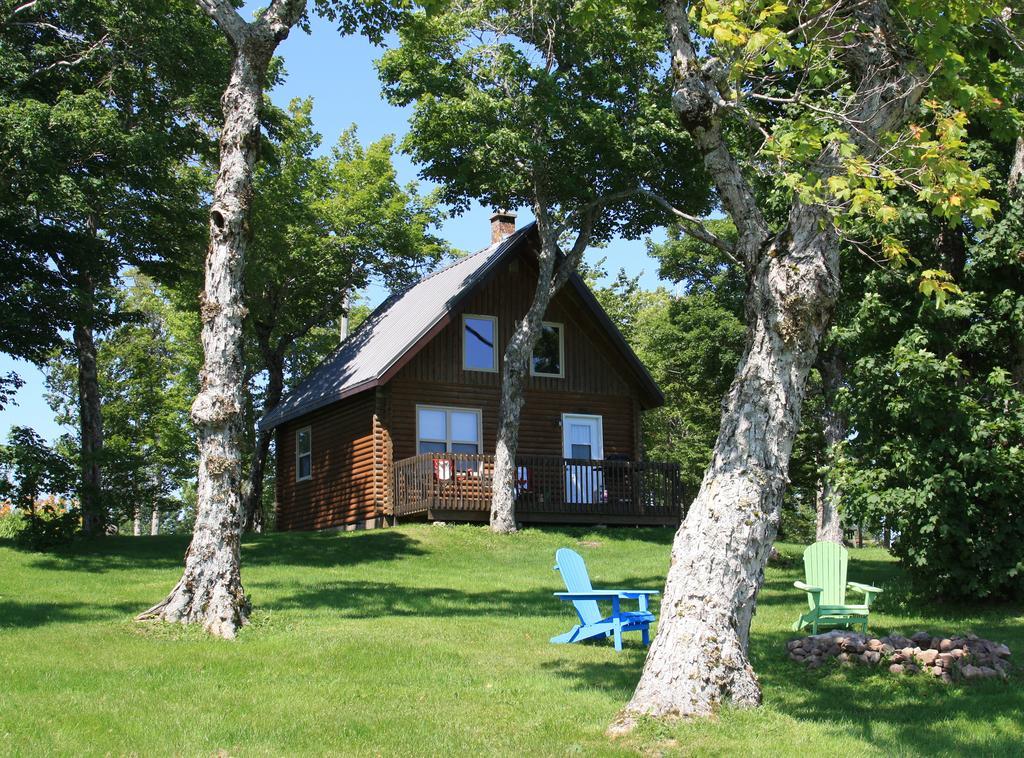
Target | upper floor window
(549,352)
(303,454)
(447,430)
(479,344)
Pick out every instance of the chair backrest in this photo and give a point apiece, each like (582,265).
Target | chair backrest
(574,574)
(825,567)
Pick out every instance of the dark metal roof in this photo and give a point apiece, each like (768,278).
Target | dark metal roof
(403,320)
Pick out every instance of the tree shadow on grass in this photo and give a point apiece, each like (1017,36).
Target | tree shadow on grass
(14,614)
(310,549)
(653,534)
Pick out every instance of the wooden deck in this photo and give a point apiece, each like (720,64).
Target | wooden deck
(457,487)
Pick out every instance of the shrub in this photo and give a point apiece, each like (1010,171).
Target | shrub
(11,522)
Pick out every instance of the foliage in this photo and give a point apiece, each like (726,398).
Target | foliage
(555,106)
(11,522)
(148,367)
(99,119)
(414,614)
(29,470)
(936,397)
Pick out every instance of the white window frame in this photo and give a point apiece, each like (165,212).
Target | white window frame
(448,426)
(561,353)
(299,455)
(494,354)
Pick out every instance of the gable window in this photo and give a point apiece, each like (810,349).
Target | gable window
(479,344)
(447,430)
(303,454)
(549,352)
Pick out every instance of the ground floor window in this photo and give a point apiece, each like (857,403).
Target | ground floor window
(448,430)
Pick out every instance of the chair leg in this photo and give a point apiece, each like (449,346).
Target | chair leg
(618,635)
(645,634)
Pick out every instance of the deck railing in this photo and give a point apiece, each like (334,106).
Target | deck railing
(547,488)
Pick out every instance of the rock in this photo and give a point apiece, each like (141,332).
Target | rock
(834,650)
(927,657)
(1002,651)
(970,672)
(912,668)
(815,663)
(921,639)
(887,649)
(987,672)
(936,670)
(843,657)
(934,644)
(957,653)
(945,645)
(908,652)
(871,657)
(946,677)
(794,644)
(945,660)
(874,644)
(796,657)
(896,668)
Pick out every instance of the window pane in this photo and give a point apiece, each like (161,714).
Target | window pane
(432,425)
(305,466)
(302,441)
(546,355)
(478,343)
(580,433)
(464,447)
(464,426)
(581,452)
(432,447)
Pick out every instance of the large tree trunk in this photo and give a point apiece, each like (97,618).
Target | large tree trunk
(699,657)
(154,522)
(252,506)
(829,521)
(210,589)
(518,355)
(90,418)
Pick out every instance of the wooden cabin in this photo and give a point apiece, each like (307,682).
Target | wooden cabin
(400,421)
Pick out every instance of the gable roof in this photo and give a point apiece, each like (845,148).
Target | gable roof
(408,319)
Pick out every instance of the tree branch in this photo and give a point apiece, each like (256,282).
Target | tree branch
(695,227)
(227,18)
(697,101)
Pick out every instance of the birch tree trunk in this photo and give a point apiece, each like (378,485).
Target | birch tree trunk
(137,521)
(90,418)
(517,358)
(210,589)
(154,522)
(829,521)
(699,658)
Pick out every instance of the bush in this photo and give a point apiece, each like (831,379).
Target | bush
(11,522)
(54,522)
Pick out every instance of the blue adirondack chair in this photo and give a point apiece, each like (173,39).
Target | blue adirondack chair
(584,599)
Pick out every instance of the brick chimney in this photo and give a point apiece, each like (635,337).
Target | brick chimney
(503,223)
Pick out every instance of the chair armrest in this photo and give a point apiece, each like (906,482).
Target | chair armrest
(588,595)
(638,593)
(808,588)
(863,587)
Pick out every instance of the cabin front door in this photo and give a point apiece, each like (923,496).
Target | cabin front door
(582,440)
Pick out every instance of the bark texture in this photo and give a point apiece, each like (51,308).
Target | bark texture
(829,519)
(699,658)
(554,270)
(210,590)
(154,522)
(90,418)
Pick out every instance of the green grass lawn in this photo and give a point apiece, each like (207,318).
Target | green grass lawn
(428,640)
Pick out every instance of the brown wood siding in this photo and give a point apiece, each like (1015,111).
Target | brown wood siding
(540,430)
(343,487)
(592,364)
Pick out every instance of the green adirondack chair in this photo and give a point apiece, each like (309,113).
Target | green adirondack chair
(826,585)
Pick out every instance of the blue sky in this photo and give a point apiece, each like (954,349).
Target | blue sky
(338,73)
